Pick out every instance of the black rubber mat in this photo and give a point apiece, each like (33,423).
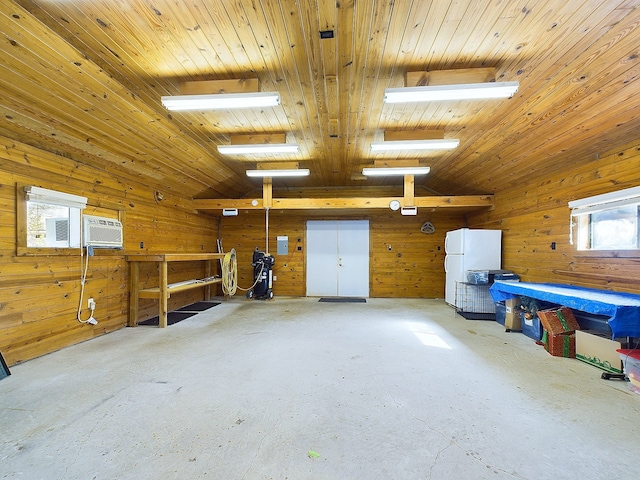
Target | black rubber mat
(343,300)
(197,307)
(172,317)
(4,370)
(477,316)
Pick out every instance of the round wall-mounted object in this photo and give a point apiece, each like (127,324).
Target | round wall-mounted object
(394,205)
(254,203)
(428,228)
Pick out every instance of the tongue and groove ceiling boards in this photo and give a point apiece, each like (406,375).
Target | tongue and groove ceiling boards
(85,77)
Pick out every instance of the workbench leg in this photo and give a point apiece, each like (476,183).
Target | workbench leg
(164,294)
(207,274)
(133,293)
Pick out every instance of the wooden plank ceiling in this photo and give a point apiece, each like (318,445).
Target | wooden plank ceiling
(84,78)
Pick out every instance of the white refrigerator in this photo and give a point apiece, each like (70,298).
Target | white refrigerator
(469,249)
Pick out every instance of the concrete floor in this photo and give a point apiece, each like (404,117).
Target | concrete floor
(296,389)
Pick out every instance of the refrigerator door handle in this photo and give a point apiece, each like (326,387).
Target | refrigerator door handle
(446,258)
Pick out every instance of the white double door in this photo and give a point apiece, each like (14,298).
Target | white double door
(338,258)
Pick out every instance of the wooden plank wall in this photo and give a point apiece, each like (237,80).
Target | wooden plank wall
(412,268)
(534,215)
(39,295)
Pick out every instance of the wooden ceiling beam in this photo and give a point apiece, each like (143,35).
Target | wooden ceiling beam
(399,135)
(386,163)
(208,87)
(252,139)
(267,192)
(466,201)
(450,77)
(277,165)
(409,191)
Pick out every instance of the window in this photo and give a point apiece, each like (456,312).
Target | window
(51,225)
(48,219)
(607,222)
(49,222)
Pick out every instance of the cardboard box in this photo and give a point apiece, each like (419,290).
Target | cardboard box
(512,319)
(598,350)
(558,320)
(560,345)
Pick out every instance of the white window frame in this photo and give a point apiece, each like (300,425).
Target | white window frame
(600,203)
(74,203)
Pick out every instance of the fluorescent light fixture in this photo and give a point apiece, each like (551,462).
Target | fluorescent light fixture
(372,171)
(286,172)
(437,144)
(221,101)
(258,148)
(466,91)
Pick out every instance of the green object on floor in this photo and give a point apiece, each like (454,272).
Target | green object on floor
(313,454)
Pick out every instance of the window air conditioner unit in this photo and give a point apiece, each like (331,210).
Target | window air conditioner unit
(102,232)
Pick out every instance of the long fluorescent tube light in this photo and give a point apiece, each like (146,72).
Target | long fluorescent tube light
(291,172)
(437,144)
(256,148)
(221,101)
(468,91)
(372,171)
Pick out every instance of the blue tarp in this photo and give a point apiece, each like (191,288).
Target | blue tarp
(622,308)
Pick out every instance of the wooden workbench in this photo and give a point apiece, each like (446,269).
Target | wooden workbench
(164,289)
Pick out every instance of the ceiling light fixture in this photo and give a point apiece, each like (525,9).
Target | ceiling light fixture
(373,171)
(437,144)
(258,148)
(286,172)
(221,101)
(464,91)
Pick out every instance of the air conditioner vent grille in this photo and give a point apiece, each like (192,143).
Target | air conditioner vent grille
(102,232)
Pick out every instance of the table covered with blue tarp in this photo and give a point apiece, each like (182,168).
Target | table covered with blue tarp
(622,308)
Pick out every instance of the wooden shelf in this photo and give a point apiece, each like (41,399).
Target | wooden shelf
(164,289)
(174,257)
(180,287)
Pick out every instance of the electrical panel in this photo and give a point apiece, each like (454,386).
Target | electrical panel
(283,245)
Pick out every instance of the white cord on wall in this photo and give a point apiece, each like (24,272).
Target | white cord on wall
(83,280)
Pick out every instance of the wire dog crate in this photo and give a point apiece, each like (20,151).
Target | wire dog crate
(474,298)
